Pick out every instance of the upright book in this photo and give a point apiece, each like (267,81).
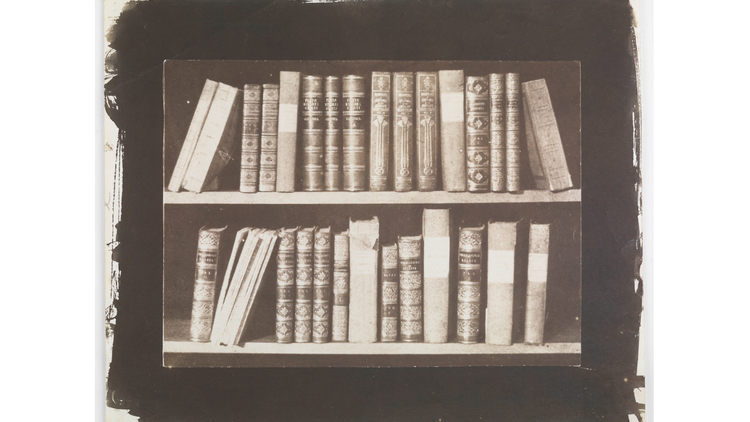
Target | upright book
(410,288)
(204,289)
(436,229)
(286,162)
(469,283)
(536,290)
(364,238)
(269,138)
(513,134)
(321,327)
(477,134)
(303,305)
(332,174)
(403,131)
(250,154)
(313,126)
(389,313)
(428,137)
(285,261)
(501,257)
(452,141)
(355,131)
(340,314)
(380,130)
(497,132)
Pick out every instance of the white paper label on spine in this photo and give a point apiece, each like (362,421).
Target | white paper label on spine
(288,118)
(436,257)
(452,107)
(538,267)
(500,266)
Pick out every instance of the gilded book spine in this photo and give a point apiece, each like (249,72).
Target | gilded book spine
(355,128)
(340,316)
(285,286)
(410,287)
(536,290)
(268,138)
(313,127)
(497,132)
(304,280)
(251,112)
(332,174)
(477,134)
(428,137)
(389,313)
(322,286)
(469,282)
(380,129)
(513,132)
(403,131)
(204,289)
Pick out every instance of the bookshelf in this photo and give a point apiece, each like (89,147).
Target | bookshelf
(399,213)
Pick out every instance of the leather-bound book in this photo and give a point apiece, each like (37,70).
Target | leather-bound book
(452,130)
(269,134)
(436,229)
(287,142)
(313,126)
(477,134)
(403,131)
(497,132)
(204,289)
(380,130)
(340,314)
(355,131)
(250,154)
(303,304)
(513,132)
(428,131)
(285,261)
(389,313)
(321,327)
(363,281)
(332,172)
(410,288)
(469,283)
(536,290)
(535,160)
(501,255)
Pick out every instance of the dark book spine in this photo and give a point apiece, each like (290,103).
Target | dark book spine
(477,134)
(389,293)
(410,287)
(355,124)
(497,132)
(380,129)
(285,286)
(269,138)
(428,130)
(403,131)
(251,112)
(469,282)
(332,173)
(340,317)
(322,286)
(204,289)
(312,133)
(513,129)
(304,280)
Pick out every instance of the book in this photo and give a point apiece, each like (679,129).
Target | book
(236,260)
(269,138)
(535,161)
(403,131)
(313,126)
(410,288)
(477,134)
(364,238)
(536,290)
(191,139)
(469,283)
(355,127)
(250,154)
(428,137)
(303,305)
(436,229)
(497,132)
(287,135)
(285,261)
(547,135)
(204,288)
(340,315)
(501,254)
(452,141)
(380,129)
(389,313)
(216,141)
(321,327)
(513,132)
(332,173)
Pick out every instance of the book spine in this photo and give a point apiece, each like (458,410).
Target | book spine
(285,286)
(513,132)
(251,111)
(410,287)
(477,134)
(549,142)
(536,290)
(340,317)
(452,141)
(332,174)
(355,110)
(363,281)
(303,281)
(437,252)
(469,282)
(287,141)
(428,137)
(403,131)
(497,132)
(501,253)
(389,313)
(312,133)
(535,160)
(322,286)
(269,138)
(204,289)
(380,129)
(194,131)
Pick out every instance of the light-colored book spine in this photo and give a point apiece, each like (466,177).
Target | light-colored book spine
(340,317)
(536,290)
(452,140)
(437,252)
(250,138)
(497,132)
(269,138)
(380,129)
(535,160)
(289,87)
(428,130)
(513,132)
(363,282)
(403,133)
(501,255)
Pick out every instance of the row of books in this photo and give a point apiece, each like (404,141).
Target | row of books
(348,287)
(467,130)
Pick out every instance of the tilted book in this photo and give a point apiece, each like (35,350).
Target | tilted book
(321,327)
(269,138)
(204,289)
(287,139)
(501,256)
(477,134)
(380,130)
(191,139)
(240,240)
(364,238)
(536,290)
(403,131)
(513,132)
(436,229)
(313,126)
(469,283)
(547,135)
(285,261)
(340,317)
(410,288)
(355,131)
(452,141)
(250,154)
(389,313)
(535,161)
(304,281)
(428,136)
(332,174)
(497,132)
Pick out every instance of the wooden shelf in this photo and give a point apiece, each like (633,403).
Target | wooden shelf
(437,197)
